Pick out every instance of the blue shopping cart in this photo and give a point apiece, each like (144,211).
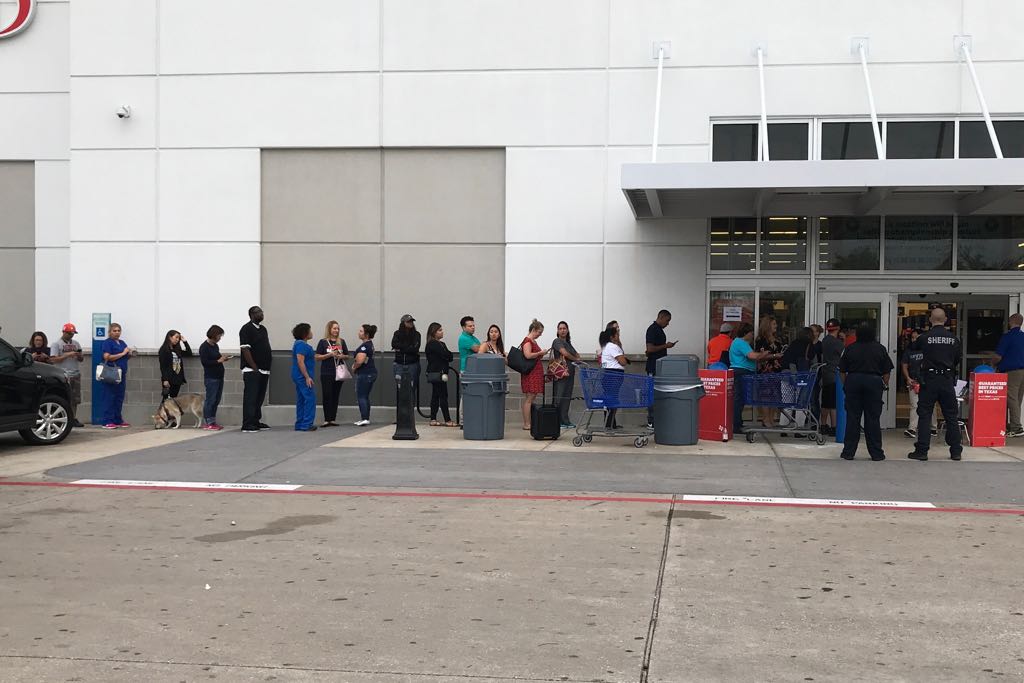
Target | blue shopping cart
(606,390)
(793,394)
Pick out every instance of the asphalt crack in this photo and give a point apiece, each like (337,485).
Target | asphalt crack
(652,625)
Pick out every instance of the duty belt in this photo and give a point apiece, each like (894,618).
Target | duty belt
(941,372)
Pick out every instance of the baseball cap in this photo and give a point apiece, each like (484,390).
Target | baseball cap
(726,327)
(69,327)
(408,318)
(832,324)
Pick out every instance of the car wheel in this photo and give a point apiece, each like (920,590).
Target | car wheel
(53,423)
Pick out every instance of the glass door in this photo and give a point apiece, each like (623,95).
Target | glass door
(876,309)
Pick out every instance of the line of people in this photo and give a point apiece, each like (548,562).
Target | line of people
(338,364)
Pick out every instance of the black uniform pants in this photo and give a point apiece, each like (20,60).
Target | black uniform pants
(254,390)
(863,399)
(331,393)
(941,388)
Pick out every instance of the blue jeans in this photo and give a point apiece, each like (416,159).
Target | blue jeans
(737,399)
(113,400)
(305,405)
(214,392)
(364,385)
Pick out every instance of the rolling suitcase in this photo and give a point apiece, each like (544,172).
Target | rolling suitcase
(544,420)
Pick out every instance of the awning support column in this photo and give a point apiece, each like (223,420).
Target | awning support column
(860,48)
(763,136)
(660,53)
(963,46)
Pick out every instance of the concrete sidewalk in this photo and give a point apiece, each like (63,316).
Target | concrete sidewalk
(894,442)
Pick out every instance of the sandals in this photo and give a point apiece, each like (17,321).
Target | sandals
(450,424)
(435,423)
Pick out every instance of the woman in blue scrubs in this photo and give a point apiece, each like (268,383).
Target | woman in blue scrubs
(303,367)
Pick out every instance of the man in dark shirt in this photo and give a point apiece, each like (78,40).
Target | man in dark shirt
(657,347)
(942,353)
(911,367)
(1009,356)
(865,368)
(254,341)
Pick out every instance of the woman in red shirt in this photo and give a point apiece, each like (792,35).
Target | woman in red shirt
(533,381)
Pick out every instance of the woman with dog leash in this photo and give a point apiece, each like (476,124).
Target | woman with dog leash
(172,369)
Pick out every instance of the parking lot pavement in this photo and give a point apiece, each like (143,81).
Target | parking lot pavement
(835,595)
(128,585)
(530,590)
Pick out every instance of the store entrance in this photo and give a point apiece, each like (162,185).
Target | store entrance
(978,320)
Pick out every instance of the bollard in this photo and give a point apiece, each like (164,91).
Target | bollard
(405,419)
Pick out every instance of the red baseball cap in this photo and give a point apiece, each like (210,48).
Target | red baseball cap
(69,327)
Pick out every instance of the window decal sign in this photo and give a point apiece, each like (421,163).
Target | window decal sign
(22,18)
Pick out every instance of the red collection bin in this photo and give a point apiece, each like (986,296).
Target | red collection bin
(987,424)
(716,406)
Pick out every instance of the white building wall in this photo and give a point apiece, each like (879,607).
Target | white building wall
(146,207)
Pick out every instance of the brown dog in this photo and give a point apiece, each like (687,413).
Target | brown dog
(172,410)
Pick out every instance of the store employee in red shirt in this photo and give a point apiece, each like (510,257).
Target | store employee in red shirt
(720,344)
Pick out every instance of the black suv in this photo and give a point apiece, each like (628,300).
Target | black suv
(35,398)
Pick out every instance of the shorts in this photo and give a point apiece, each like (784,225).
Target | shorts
(75,385)
(828,396)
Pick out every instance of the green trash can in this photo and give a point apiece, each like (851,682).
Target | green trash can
(677,393)
(484,386)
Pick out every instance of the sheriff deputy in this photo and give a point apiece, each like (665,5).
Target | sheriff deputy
(942,353)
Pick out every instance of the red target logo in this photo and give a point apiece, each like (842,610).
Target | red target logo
(23,17)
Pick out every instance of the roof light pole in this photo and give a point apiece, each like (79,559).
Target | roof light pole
(661,50)
(962,45)
(859,47)
(763,147)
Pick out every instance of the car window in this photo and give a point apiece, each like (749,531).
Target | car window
(8,357)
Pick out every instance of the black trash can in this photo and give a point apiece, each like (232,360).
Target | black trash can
(677,393)
(484,386)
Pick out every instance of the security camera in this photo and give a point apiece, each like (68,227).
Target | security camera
(954,285)
(124,112)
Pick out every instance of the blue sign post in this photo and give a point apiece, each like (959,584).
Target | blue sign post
(100,331)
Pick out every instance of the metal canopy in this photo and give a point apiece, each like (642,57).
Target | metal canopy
(867,187)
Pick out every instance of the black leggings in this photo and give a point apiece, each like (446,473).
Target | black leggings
(439,399)
(331,393)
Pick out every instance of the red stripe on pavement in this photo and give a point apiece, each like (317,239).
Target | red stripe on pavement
(515,496)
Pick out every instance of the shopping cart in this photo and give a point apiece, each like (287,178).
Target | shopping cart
(793,394)
(606,389)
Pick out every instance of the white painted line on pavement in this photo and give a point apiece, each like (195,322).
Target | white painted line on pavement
(806,501)
(188,485)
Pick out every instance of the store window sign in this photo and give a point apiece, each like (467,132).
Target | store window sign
(732,314)
(22,18)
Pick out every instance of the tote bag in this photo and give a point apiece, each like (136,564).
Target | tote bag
(519,362)
(108,373)
(341,372)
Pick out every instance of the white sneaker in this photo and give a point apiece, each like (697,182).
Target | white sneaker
(362,423)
